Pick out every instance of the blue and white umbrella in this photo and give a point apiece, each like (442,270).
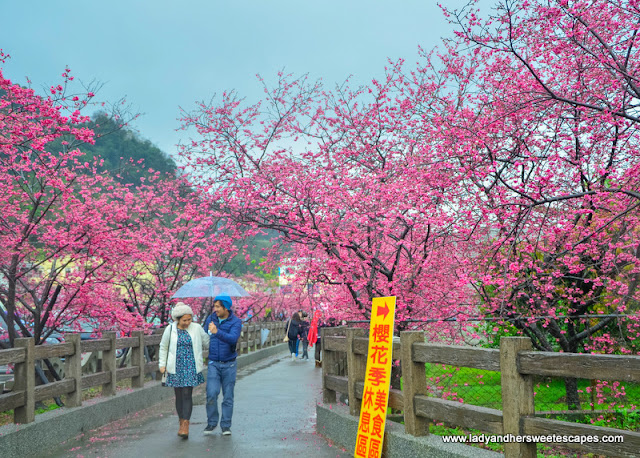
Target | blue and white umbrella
(211,287)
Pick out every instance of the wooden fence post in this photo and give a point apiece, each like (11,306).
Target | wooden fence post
(341,357)
(258,336)
(275,339)
(137,359)
(252,337)
(73,370)
(328,363)
(517,395)
(24,375)
(109,364)
(245,338)
(269,342)
(356,369)
(156,354)
(414,380)
(275,336)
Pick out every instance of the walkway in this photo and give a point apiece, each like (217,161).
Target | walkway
(274,416)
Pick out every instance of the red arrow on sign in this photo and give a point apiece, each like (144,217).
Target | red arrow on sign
(383,311)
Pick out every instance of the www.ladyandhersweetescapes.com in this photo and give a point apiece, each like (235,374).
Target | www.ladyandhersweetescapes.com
(548,438)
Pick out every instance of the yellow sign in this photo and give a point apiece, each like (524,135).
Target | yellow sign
(373,412)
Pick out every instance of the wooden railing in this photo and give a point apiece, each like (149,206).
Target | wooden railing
(24,355)
(517,364)
(251,337)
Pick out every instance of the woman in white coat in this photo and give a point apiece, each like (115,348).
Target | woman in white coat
(181,357)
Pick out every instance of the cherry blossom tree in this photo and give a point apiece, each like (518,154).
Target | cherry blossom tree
(180,240)
(346,179)
(544,129)
(505,163)
(63,227)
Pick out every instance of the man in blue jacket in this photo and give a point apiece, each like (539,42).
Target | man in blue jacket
(224,328)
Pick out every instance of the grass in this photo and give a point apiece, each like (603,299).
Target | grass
(483,388)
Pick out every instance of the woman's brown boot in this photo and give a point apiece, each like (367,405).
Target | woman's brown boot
(186,429)
(182,432)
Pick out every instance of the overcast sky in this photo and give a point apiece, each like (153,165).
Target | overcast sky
(163,55)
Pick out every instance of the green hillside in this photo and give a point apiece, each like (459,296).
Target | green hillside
(119,147)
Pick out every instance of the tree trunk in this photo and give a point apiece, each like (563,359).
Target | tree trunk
(571,389)
(10,305)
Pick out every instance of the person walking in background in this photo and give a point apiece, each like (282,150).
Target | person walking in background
(300,314)
(304,335)
(313,336)
(318,353)
(225,328)
(181,357)
(293,333)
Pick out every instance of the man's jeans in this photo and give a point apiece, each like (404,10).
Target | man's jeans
(220,375)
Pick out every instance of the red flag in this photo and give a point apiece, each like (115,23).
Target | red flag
(313,330)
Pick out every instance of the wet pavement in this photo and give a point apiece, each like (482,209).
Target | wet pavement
(274,416)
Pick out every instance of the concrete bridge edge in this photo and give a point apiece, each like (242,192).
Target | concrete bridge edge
(51,429)
(335,423)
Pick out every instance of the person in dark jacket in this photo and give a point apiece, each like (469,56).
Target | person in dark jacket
(225,328)
(304,335)
(294,332)
(318,344)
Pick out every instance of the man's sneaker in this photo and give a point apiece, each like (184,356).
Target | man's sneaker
(209,430)
(226,431)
